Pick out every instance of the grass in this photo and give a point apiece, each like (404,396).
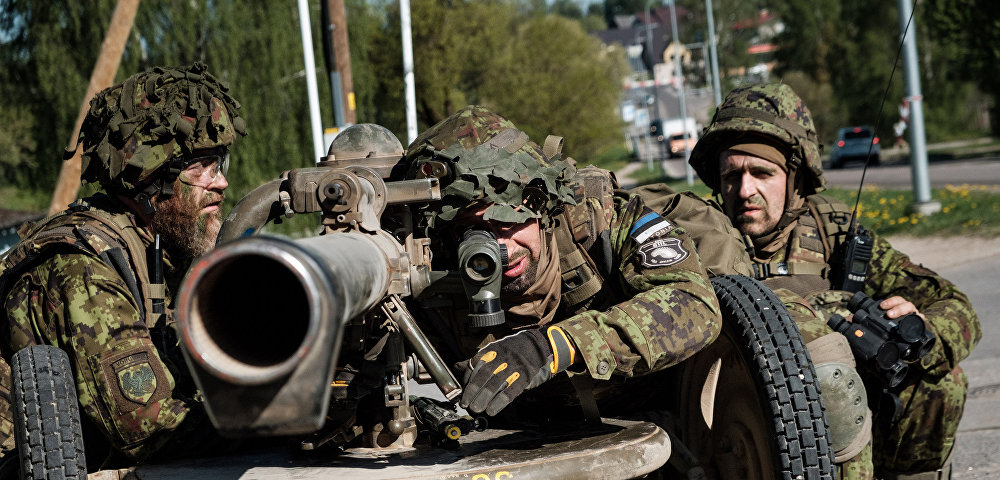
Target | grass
(965,209)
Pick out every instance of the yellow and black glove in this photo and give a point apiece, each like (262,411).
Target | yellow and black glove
(507,367)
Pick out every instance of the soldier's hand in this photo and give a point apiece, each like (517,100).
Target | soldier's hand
(507,367)
(897,306)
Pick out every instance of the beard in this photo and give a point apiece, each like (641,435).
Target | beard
(525,280)
(184,229)
(755,227)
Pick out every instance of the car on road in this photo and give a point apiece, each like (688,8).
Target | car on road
(676,144)
(855,143)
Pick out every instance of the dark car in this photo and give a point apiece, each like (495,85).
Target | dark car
(854,143)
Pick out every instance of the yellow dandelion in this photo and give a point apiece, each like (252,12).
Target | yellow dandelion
(913,221)
(892,222)
(945,209)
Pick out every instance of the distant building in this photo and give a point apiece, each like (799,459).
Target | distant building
(758,34)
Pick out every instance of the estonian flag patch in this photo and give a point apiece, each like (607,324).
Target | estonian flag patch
(648,225)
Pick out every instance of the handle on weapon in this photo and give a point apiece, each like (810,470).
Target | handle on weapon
(429,357)
(442,420)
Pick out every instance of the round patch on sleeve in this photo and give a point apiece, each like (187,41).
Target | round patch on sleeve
(662,252)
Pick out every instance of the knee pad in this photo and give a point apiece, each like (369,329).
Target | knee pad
(844,395)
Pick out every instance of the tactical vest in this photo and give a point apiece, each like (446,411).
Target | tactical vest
(112,237)
(583,238)
(582,231)
(819,233)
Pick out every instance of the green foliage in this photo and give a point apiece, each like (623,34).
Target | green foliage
(613,158)
(54,45)
(846,49)
(966,210)
(553,78)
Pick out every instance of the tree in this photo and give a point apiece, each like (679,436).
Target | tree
(970,29)
(553,78)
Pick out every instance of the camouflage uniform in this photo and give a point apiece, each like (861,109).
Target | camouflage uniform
(80,280)
(633,295)
(808,260)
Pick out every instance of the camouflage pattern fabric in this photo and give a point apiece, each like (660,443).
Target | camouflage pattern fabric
(7,445)
(136,391)
(653,312)
(768,111)
(494,163)
(934,391)
(134,128)
(646,316)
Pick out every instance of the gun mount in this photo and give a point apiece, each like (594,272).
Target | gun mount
(262,318)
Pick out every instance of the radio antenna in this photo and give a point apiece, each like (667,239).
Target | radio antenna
(878,120)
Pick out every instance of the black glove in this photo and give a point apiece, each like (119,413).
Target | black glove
(507,367)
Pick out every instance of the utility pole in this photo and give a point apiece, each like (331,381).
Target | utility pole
(311,90)
(679,76)
(922,202)
(411,96)
(336,47)
(103,76)
(716,89)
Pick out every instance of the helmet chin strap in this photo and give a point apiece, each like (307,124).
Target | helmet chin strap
(164,186)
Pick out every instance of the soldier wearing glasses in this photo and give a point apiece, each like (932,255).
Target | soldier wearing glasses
(97,279)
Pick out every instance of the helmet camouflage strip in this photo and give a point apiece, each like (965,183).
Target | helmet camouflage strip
(135,128)
(492,163)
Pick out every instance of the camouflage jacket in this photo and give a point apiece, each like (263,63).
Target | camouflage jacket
(813,257)
(635,297)
(130,380)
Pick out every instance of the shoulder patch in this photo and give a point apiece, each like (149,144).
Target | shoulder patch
(137,381)
(662,252)
(134,378)
(649,225)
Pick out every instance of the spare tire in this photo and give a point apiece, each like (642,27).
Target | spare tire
(47,427)
(751,403)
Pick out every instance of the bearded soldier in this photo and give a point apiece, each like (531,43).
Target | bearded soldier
(592,280)
(88,279)
(761,154)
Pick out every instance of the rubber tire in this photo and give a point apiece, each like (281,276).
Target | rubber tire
(772,352)
(47,426)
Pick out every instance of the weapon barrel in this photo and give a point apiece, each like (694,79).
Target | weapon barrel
(261,320)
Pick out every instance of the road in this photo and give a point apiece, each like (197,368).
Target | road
(972,264)
(983,171)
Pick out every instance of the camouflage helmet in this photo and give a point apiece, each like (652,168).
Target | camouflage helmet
(135,129)
(772,110)
(482,158)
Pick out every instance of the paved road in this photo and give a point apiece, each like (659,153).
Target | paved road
(972,263)
(983,171)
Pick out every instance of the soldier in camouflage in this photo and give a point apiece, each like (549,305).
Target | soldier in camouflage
(594,281)
(83,279)
(761,154)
